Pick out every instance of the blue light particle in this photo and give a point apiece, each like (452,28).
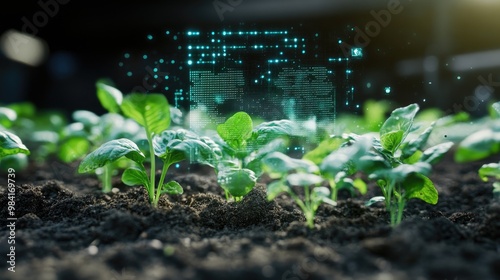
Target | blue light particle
(357,52)
(387,90)
(150,37)
(126,55)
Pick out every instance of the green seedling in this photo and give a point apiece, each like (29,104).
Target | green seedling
(279,167)
(491,170)
(483,143)
(38,129)
(151,111)
(400,166)
(337,159)
(243,147)
(10,145)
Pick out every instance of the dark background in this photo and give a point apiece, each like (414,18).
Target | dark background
(414,53)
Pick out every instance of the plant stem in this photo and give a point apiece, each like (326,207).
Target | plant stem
(152,178)
(308,212)
(106,179)
(160,183)
(333,187)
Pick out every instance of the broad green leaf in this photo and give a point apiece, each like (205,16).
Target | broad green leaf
(391,140)
(276,188)
(414,145)
(434,154)
(135,176)
(413,158)
(356,184)
(149,110)
(399,124)
(401,172)
(73,148)
(7,117)
(268,131)
(172,187)
(236,130)
(238,182)
(174,146)
(374,200)
(10,144)
(478,145)
(303,179)
(110,97)
(254,160)
(489,170)
(277,164)
(321,195)
(87,118)
(324,149)
(346,158)
(421,187)
(110,152)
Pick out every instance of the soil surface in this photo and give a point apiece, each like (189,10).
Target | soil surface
(67,229)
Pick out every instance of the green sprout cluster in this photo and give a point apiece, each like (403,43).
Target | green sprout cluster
(136,139)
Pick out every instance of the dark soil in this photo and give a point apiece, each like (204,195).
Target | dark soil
(68,229)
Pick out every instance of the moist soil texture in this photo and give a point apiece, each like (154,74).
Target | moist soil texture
(66,228)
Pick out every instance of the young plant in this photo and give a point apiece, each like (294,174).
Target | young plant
(399,166)
(151,111)
(338,159)
(243,148)
(10,145)
(279,167)
(491,170)
(482,143)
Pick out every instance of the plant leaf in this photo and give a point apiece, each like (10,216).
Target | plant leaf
(7,117)
(236,130)
(268,131)
(277,164)
(303,179)
(489,170)
(478,145)
(238,182)
(324,148)
(391,140)
(321,195)
(172,187)
(73,148)
(399,124)
(110,152)
(276,188)
(254,160)
(175,146)
(436,153)
(401,172)
(87,118)
(110,97)
(10,144)
(346,158)
(149,110)
(421,187)
(417,144)
(135,176)
(374,200)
